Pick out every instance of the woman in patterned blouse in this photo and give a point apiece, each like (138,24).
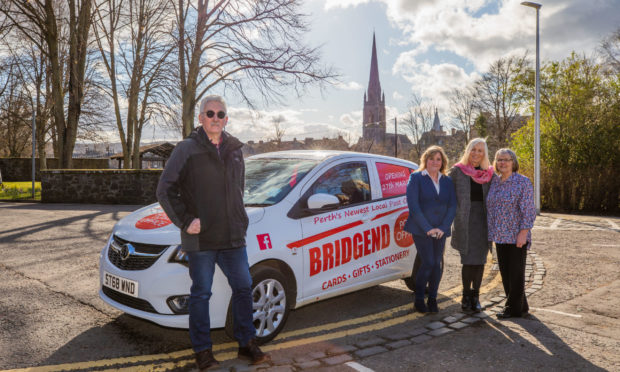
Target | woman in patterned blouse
(510,215)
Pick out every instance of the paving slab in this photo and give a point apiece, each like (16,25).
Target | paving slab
(363,353)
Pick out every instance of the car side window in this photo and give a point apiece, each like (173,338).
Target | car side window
(348,182)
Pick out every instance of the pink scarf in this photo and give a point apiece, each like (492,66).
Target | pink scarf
(478,175)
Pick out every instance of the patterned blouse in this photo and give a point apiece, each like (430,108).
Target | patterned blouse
(510,208)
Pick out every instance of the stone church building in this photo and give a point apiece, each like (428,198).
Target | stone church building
(374,121)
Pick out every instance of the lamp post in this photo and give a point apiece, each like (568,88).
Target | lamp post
(395,140)
(537,110)
(34,131)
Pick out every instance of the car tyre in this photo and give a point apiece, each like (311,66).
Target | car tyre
(270,303)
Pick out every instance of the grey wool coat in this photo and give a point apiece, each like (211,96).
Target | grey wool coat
(460,227)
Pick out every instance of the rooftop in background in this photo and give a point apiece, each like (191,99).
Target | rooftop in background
(151,156)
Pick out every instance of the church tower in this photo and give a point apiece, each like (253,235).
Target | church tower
(374,103)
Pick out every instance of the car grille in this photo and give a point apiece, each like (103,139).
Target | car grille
(135,303)
(134,261)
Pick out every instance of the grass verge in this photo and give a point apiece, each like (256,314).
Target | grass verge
(20,191)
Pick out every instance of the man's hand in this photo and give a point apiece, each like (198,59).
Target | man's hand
(194,227)
(522,238)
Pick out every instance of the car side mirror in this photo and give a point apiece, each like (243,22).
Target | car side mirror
(323,201)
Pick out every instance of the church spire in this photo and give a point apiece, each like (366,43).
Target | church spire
(374,86)
(436,123)
(374,103)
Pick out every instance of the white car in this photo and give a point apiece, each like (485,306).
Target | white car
(321,224)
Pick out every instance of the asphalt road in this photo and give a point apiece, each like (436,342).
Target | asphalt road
(51,315)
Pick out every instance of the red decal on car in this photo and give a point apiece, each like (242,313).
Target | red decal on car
(324,234)
(393,179)
(403,238)
(387,213)
(264,241)
(154,221)
(340,251)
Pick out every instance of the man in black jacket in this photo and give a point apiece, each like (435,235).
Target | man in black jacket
(201,191)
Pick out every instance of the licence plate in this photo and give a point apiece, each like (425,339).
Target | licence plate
(120,284)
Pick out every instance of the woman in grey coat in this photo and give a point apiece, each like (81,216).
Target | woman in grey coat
(472,177)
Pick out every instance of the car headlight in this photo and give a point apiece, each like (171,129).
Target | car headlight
(179,256)
(179,304)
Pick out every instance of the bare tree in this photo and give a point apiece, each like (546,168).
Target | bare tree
(278,130)
(133,39)
(463,106)
(498,94)
(15,131)
(242,45)
(41,22)
(610,49)
(418,120)
(33,72)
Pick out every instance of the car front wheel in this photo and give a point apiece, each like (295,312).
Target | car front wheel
(270,306)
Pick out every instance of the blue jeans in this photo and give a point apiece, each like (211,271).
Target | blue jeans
(234,265)
(430,251)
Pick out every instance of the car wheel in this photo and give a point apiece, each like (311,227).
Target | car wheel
(270,304)
(410,281)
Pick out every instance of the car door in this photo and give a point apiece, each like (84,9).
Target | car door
(397,259)
(340,242)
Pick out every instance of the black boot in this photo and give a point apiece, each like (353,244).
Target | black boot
(466,300)
(475,301)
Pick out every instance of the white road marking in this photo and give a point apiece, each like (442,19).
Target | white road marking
(613,224)
(556,312)
(358,367)
(606,245)
(555,224)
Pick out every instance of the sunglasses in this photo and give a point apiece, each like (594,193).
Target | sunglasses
(211,113)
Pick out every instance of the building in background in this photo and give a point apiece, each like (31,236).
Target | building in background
(373,122)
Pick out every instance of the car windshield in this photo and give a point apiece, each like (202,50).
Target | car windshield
(267,181)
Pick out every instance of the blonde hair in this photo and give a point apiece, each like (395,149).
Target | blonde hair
(485,163)
(431,151)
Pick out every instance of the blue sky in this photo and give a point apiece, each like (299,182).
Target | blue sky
(426,47)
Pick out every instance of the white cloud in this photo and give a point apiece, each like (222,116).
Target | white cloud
(331,4)
(259,125)
(351,85)
(397,96)
(433,80)
(470,29)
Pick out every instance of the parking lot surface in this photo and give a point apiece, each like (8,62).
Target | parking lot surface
(52,319)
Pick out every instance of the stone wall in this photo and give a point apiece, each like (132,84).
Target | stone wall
(110,186)
(20,169)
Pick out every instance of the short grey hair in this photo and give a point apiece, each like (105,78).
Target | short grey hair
(513,156)
(212,98)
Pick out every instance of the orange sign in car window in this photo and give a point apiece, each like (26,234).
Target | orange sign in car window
(393,179)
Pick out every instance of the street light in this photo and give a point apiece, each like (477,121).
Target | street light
(537,110)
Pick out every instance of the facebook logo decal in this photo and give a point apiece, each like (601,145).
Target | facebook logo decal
(264,241)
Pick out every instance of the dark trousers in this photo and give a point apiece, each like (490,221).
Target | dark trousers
(511,262)
(430,251)
(234,265)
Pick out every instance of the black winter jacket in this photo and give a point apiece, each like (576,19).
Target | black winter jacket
(199,183)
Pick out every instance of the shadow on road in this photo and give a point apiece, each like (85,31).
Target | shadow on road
(524,344)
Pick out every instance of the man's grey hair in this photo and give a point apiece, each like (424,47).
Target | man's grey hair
(212,98)
(515,162)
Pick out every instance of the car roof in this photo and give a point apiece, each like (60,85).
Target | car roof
(322,155)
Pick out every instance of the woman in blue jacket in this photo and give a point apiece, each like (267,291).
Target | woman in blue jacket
(432,206)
